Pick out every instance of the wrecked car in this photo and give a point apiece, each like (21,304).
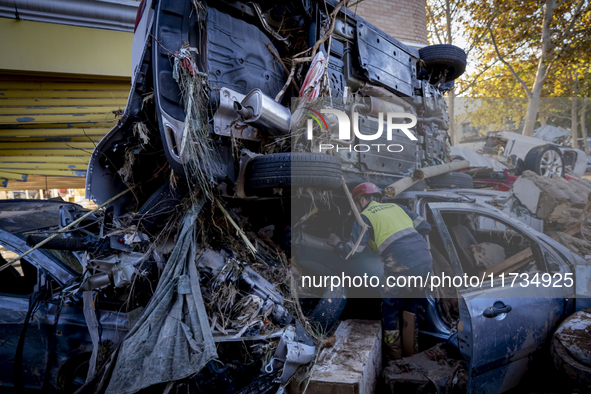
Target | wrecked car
(486,172)
(498,328)
(197,228)
(46,343)
(529,153)
(242,100)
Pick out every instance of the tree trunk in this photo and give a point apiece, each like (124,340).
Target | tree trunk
(531,114)
(542,71)
(543,120)
(453,132)
(574,125)
(583,125)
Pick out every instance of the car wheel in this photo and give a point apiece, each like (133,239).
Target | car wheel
(297,169)
(575,371)
(443,57)
(545,160)
(322,306)
(451,180)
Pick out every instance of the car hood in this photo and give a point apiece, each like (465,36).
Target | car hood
(477,160)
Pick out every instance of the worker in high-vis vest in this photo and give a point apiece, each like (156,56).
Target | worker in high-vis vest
(396,233)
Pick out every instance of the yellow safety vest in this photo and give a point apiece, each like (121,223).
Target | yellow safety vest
(389,223)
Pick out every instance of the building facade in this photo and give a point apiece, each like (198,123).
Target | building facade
(405,20)
(64,77)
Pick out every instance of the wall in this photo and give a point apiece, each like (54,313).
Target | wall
(51,48)
(405,20)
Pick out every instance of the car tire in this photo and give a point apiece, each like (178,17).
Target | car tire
(545,160)
(576,372)
(323,310)
(296,169)
(451,180)
(438,58)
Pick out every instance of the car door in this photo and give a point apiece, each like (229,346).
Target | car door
(17,290)
(18,284)
(501,326)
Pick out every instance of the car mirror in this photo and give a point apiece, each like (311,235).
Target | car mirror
(553,267)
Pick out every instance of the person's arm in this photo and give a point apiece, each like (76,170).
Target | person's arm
(344,248)
(421,225)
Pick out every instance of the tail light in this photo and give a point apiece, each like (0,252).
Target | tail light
(140,12)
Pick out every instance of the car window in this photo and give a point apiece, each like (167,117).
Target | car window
(67,258)
(485,244)
(19,278)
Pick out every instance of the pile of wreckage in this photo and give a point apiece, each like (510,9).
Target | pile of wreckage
(200,270)
(562,204)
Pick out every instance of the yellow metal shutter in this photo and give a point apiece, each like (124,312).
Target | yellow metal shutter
(50,126)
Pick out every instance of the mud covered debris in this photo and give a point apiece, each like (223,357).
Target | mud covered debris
(430,372)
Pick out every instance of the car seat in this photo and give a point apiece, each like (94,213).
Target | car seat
(462,239)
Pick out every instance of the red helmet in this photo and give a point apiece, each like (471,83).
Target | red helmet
(363,189)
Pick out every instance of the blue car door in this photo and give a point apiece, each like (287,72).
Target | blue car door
(503,323)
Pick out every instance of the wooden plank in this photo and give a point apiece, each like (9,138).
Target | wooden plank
(525,256)
(517,259)
(408,333)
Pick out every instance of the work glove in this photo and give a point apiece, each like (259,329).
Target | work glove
(424,228)
(339,249)
(333,239)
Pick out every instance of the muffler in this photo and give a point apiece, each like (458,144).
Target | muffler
(262,112)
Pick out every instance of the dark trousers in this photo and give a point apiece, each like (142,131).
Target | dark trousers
(392,311)
(397,299)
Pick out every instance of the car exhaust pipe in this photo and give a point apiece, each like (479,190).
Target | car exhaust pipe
(262,112)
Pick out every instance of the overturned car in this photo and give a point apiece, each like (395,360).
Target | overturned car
(195,243)
(237,57)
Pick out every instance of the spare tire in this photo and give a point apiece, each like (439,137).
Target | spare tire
(298,169)
(545,160)
(451,180)
(442,57)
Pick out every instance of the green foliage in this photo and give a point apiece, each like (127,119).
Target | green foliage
(516,27)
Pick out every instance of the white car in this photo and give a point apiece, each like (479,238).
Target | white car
(542,157)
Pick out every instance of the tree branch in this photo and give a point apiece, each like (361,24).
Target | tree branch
(476,78)
(565,33)
(434,24)
(502,59)
(297,60)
